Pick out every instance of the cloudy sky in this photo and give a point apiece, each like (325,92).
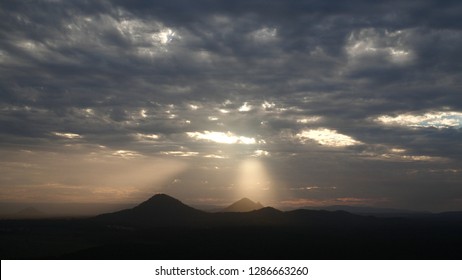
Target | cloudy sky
(291,103)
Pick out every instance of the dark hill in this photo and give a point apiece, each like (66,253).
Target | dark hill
(243,205)
(449,216)
(162,204)
(266,216)
(162,210)
(29,213)
(318,218)
(164,228)
(159,210)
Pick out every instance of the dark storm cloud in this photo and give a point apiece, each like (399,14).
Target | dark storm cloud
(82,56)
(139,75)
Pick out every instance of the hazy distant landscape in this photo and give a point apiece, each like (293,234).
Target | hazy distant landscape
(57,210)
(165,228)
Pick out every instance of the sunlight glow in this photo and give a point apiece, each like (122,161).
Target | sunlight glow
(150,38)
(430,119)
(147,137)
(193,107)
(139,31)
(180,153)
(369,42)
(214,156)
(68,135)
(221,137)
(401,155)
(261,153)
(327,137)
(309,119)
(264,34)
(86,174)
(164,36)
(254,181)
(245,107)
(267,105)
(126,154)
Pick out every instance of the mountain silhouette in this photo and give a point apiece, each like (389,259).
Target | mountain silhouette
(163,227)
(162,203)
(243,205)
(162,210)
(159,210)
(29,213)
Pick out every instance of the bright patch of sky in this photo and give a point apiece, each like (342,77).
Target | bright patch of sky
(267,105)
(261,153)
(264,34)
(180,153)
(431,119)
(398,154)
(151,38)
(222,137)
(147,137)
(126,154)
(138,30)
(374,42)
(214,156)
(327,137)
(67,135)
(193,107)
(309,119)
(245,107)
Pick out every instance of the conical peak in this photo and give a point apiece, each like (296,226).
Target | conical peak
(243,205)
(248,201)
(244,199)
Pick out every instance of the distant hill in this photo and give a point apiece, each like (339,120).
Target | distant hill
(449,216)
(159,210)
(243,205)
(8,210)
(162,210)
(162,227)
(373,211)
(29,213)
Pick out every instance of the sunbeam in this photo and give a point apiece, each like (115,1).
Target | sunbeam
(254,181)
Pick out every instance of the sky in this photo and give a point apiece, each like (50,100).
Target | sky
(291,103)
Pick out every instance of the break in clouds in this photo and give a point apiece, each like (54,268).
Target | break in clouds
(291,102)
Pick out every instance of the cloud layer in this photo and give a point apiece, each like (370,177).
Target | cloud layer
(360,99)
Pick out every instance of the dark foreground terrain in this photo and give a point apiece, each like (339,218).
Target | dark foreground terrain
(164,228)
